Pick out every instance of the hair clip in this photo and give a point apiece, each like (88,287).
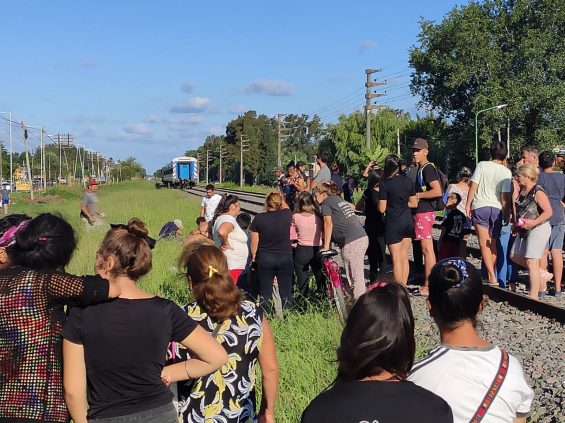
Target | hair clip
(212,270)
(374,285)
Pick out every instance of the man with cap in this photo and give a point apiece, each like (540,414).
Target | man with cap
(88,208)
(427,189)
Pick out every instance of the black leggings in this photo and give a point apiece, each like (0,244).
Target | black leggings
(270,266)
(375,252)
(305,258)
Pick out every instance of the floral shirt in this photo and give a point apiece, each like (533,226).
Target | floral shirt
(227,395)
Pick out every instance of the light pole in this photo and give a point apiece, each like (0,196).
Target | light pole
(11,151)
(500,106)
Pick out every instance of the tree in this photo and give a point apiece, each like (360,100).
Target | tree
(495,52)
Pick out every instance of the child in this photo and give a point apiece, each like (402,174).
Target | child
(200,234)
(452,228)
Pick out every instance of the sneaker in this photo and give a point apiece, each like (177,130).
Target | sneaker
(541,296)
(557,294)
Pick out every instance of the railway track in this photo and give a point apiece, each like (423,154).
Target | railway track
(252,203)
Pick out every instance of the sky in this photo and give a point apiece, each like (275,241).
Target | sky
(153,79)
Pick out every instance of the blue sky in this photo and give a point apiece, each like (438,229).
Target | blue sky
(153,79)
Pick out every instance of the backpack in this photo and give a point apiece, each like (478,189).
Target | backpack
(437,203)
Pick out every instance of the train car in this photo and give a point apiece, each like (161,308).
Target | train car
(180,171)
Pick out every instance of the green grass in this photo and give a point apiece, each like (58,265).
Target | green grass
(306,342)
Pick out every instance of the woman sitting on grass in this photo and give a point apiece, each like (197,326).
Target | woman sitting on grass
(32,296)
(116,351)
(375,355)
(240,327)
(475,377)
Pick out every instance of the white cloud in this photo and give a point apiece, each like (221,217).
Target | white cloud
(137,129)
(368,44)
(194,105)
(237,109)
(188,87)
(270,87)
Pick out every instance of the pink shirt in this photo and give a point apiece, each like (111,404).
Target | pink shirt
(308,228)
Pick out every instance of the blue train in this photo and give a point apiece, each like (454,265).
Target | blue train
(180,172)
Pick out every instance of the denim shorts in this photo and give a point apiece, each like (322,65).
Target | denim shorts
(490,218)
(164,414)
(556,238)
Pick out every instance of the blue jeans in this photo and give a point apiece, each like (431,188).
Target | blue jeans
(504,266)
(164,414)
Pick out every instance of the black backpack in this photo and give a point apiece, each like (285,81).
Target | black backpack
(438,203)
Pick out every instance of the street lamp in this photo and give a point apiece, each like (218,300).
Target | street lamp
(500,106)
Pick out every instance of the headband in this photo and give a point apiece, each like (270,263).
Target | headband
(9,237)
(148,239)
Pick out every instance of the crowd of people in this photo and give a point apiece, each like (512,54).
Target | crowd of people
(99,349)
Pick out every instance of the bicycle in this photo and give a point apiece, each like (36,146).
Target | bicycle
(336,288)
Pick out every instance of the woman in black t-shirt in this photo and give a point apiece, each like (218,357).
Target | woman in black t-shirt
(375,227)
(376,353)
(396,196)
(116,350)
(271,251)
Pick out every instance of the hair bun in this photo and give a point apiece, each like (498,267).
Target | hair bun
(137,227)
(451,275)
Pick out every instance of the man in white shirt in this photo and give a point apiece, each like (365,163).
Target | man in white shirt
(209,203)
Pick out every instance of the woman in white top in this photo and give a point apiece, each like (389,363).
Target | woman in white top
(465,367)
(228,236)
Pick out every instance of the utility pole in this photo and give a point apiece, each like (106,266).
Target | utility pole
(27,162)
(42,155)
(368,106)
(508,139)
(398,142)
(280,136)
(223,155)
(199,161)
(60,158)
(207,165)
(243,146)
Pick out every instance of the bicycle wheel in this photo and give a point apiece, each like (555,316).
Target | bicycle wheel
(339,301)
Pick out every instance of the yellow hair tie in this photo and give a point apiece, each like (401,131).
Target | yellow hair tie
(211,271)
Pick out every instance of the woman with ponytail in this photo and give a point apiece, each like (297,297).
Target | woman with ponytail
(228,235)
(396,196)
(476,378)
(33,293)
(116,351)
(241,328)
